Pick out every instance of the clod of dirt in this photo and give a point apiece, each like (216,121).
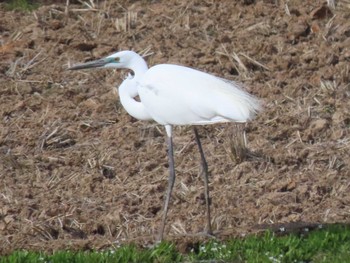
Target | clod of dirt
(315,28)
(315,128)
(56,24)
(86,46)
(298,30)
(321,12)
(108,172)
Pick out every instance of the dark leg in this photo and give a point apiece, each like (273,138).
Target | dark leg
(205,177)
(171,181)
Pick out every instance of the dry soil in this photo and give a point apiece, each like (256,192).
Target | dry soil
(76,172)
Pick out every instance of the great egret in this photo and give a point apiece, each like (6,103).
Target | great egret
(178,95)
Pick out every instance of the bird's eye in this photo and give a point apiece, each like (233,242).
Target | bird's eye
(116,59)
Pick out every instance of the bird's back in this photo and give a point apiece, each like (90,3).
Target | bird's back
(180,95)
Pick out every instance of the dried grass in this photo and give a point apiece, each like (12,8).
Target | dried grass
(238,144)
(343,4)
(75,168)
(236,62)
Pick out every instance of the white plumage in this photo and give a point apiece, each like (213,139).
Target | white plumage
(177,95)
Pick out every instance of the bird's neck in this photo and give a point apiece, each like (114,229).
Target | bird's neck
(139,66)
(128,89)
(127,94)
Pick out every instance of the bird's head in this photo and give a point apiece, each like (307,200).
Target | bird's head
(122,59)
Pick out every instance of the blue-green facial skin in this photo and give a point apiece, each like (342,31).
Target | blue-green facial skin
(112,60)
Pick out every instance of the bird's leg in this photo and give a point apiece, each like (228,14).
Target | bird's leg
(205,177)
(171,181)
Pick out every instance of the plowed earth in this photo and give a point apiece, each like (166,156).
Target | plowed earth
(76,172)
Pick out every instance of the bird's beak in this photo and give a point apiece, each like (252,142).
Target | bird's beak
(92,64)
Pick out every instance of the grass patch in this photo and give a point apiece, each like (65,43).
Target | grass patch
(164,252)
(21,5)
(324,245)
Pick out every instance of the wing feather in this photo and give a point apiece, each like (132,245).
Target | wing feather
(180,95)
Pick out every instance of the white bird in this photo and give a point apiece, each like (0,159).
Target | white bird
(178,95)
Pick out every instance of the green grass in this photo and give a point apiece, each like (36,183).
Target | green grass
(325,245)
(164,252)
(21,5)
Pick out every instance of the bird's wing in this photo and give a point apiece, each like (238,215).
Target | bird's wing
(180,95)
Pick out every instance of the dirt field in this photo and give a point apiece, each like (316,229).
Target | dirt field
(76,172)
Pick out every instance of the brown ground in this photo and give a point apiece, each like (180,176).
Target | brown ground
(77,172)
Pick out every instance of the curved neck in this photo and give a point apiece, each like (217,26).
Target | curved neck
(127,94)
(138,65)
